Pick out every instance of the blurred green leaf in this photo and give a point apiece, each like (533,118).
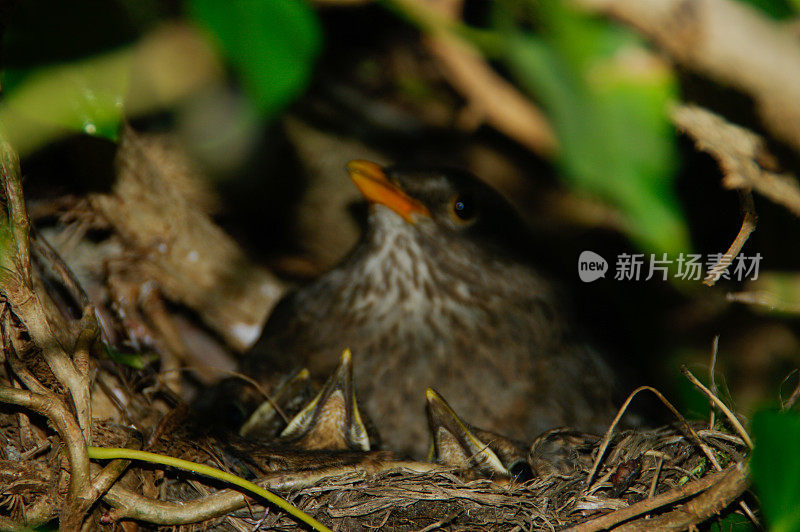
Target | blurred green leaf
(85,96)
(92,95)
(773,292)
(775,464)
(133,360)
(733,522)
(272,44)
(607,99)
(777,9)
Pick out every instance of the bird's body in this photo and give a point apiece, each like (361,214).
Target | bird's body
(429,299)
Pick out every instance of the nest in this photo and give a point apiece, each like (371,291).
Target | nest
(59,389)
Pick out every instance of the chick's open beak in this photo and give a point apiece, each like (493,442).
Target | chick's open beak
(371,180)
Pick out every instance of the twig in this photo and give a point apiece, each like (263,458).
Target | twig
(719,435)
(43,248)
(162,323)
(502,105)
(656,474)
(441,522)
(106,478)
(727,489)
(54,409)
(738,152)
(790,402)
(722,406)
(17,288)
(648,505)
(712,378)
(607,437)
(131,505)
(748,226)
(25,303)
(734,421)
(202,268)
(17,216)
(102,453)
(741,154)
(727,41)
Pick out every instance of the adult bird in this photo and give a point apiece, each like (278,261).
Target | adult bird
(440,293)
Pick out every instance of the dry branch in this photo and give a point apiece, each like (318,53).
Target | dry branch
(130,505)
(748,226)
(607,437)
(790,402)
(500,104)
(730,42)
(722,493)
(57,412)
(648,505)
(719,404)
(17,288)
(191,260)
(742,155)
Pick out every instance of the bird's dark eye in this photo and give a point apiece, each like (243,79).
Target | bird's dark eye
(521,471)
(463,207)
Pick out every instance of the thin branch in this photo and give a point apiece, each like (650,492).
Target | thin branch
(727,41)
(104,480)
(741,154)
(648,505)
(722,493)
(722,406)
(54,409)
(131,505)
(26,305)
(501,104)
(18,216)
(43,249)
(790,402)
(202,267)
(748,226)
(712,368)
(607,437)
(657,473)
(175,351)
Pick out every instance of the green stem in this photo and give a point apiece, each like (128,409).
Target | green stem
(111,453)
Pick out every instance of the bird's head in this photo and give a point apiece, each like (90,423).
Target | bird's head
(447,201)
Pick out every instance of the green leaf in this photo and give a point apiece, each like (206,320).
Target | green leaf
(607,99)
(134,360)
(271,44)
(777,9)
(71,32)
(733,522)
(775,464)
(86,96)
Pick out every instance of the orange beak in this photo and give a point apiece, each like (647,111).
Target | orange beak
(372,182)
